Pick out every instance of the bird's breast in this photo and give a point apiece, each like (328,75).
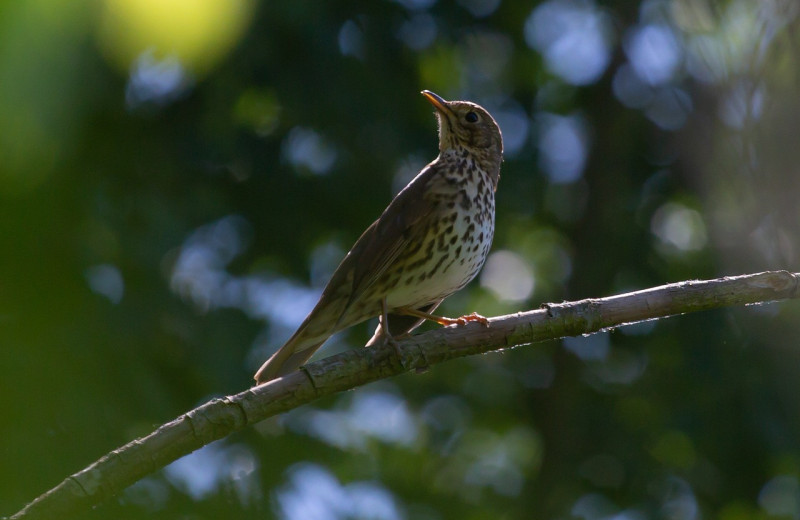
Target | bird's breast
(452,244)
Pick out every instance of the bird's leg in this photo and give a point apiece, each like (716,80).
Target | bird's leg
(383,320)
(441,320)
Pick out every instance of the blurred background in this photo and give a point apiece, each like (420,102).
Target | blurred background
(179,178)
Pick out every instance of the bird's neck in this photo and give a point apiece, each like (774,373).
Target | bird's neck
(484,159)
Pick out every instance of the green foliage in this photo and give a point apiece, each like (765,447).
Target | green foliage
(165,225)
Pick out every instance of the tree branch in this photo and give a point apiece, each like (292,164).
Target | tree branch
(218,418)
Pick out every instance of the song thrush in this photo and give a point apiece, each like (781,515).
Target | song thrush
(430,242)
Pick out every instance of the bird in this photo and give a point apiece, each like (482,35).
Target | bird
(430,241)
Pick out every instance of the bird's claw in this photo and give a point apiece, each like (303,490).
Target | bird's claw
(463,320)
(391,341)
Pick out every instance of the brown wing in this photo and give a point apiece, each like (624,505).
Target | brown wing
(388,236)
(369,258)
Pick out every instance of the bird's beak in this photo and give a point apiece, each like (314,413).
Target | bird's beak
(437,101)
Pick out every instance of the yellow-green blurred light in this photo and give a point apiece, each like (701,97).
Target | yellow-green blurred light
(196,32)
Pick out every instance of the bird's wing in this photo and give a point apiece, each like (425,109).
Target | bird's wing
(369,258)
(381,244)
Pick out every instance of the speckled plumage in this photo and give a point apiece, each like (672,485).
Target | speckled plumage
(431,240)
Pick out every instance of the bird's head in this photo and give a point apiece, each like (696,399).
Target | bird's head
(465,125)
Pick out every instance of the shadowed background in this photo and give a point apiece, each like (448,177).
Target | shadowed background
(178,180)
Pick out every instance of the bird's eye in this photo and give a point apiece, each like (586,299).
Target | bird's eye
(471,117)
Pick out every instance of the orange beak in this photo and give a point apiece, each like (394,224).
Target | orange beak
(437,101)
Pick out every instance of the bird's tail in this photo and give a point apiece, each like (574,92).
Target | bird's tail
(318,326)
(286,360)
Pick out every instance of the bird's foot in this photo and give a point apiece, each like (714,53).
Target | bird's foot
(463,320)
(441,320)
(392,341)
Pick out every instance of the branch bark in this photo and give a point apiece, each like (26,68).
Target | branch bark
(218,418)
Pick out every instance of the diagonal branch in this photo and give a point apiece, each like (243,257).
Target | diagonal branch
(218,418)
